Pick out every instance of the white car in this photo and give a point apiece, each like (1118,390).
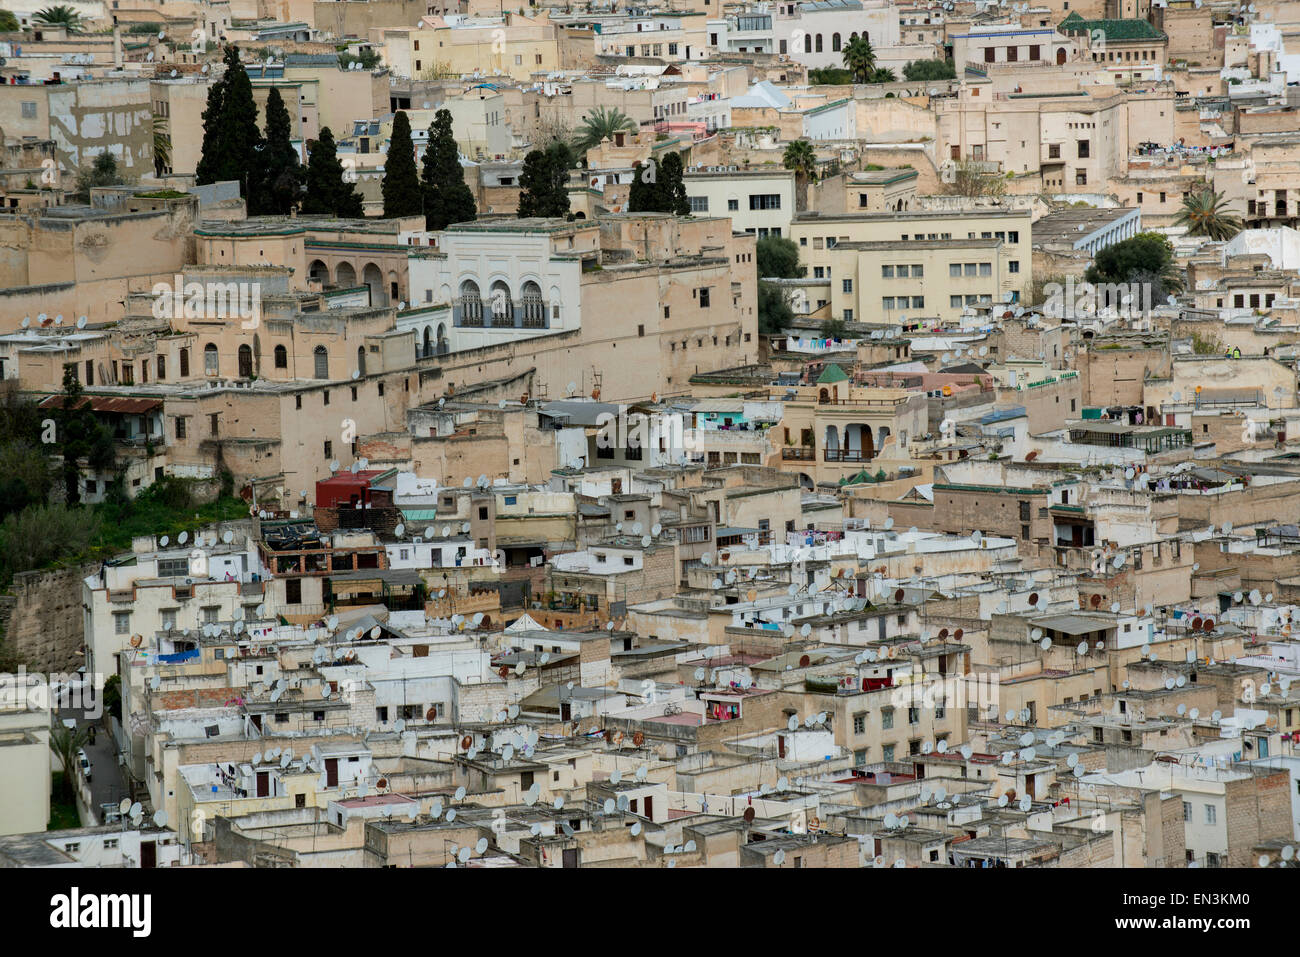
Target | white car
(83,762)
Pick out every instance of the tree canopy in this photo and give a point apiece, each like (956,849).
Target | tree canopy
(544,181)
(778,258)
(328,191)
(401,189)
(447,199)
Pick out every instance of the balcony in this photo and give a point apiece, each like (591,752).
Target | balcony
(798,454)
(845,455)
(525,314)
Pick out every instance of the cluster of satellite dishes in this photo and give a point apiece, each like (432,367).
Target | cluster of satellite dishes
(1286,859)
(134,813)
(44,320)
(813,720)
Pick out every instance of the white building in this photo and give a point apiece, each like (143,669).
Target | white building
(758,201)
(504,281)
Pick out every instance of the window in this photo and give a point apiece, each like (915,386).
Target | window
(733,205)
(180,427)
(281,357)
(1084,147)
(954,302)
(1054,151)
(1211,814)
(329,449)
(1013,266)
(954,270)
(765,201)
(918,302)
(860,722)
(918,271)
(986,269)
(886,719)
(121,622)
(321,362)
(847,285)
(704,298)
(1081,178)
(699,204)
(211,362)
(913,715)
(1187,810)
(887,753)
(848,315)
(886,272)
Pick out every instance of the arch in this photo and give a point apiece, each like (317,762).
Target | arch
(1060,57)
(394,292)
(823,395)
(211,360)
(471,304)
(503,308)
(245,362)
(853,35)
(805,480)
(321,362)
(579,215)
(427,349)
(373,277)
(858,441)
(835,43)
(361,359)
(819,43)
(319,272)
(281,357)
(832,441)
(807,43)
(442,338)
(345,277)
(185,362)
(533,305)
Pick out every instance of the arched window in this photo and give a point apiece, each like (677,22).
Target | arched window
(321,356)
(534,307)
(361,359)
(471,304)
(211,364)
(835,42)
(428,341)
(819,43)
(245,362)
(503,309)
(185,363)
(281,357)
(807,43)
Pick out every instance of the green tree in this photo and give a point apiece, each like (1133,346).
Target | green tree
(1204,213)
(162,146)
(101,172)
(859,58)
(328,193)
(80,436)
(1144,258)
(774,310)
(778,258)
(41,534)
(544,182)
(232,141)
(8,22)
(601,124)
(59,16)
(65,742)
(829,76)
(402,193)
(282,172)
(929,70)
(833,328)
(209,158)
(672,185)
(447,199)
(25,477)
(800,157)
(368,59)
(882,74)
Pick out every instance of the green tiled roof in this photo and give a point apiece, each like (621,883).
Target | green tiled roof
(1111,29)
(832,373)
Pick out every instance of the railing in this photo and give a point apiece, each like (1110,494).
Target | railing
(529,314)
(845,455)
(799,454)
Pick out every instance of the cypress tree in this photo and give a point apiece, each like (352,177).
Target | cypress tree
(205,172)
(402,192)
(673,185)
(544,182)
(282,173)
(327,192)
(446,197)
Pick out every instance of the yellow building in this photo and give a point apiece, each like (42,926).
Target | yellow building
(515,46)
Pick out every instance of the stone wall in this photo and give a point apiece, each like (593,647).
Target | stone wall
(43,624)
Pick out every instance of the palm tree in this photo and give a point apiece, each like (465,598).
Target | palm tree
(600,125)
(799,156)
(1204,214)
(859,58)
(65,742)
(883,74)
(162,145)
(60,15)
